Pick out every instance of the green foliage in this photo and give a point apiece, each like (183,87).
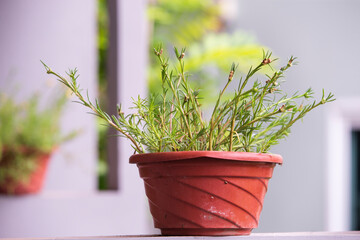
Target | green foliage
(102,167)
(24,124)
(182,21)
(255,118)
(199,25)
(209,61)
(222,49)
(102,43)
(26,132)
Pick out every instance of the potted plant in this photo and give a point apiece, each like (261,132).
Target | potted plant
(206,177)
(28,136)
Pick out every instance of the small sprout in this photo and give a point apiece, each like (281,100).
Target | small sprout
(232,71)
(231,75)
(180,55)
(157,53)
(266,61)
(291,61)
(271,90)
(282,108)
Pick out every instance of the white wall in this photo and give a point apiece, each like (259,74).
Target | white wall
(56,33)
(325,38)
(62,33)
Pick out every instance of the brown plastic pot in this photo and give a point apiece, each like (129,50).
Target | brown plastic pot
(35,181)
(206,193)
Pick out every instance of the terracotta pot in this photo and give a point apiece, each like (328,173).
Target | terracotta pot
(205,192)
(31,185)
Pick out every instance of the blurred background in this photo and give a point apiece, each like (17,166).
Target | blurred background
(91,189)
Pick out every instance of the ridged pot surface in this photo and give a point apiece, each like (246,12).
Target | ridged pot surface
(205,192)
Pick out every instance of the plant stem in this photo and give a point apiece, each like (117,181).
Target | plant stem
(94,109)
(212,125)
(176,97)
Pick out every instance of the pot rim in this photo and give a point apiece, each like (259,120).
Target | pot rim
(183,155)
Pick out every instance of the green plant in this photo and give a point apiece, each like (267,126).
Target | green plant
(102,47)
(182,21)
(201,27)
(197,24)
(252,120)
(25,133)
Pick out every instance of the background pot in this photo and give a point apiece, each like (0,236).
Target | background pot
(205,192)
(27,185)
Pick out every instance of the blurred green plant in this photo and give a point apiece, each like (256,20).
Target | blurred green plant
(26,131)
(182,22)
(199,25)
(102,44)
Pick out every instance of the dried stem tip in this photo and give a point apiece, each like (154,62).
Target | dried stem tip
(266,61)
(232,71)
(231,75)
(271,90)
(121,113)
(291,61)
(158,53)
(282,108)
